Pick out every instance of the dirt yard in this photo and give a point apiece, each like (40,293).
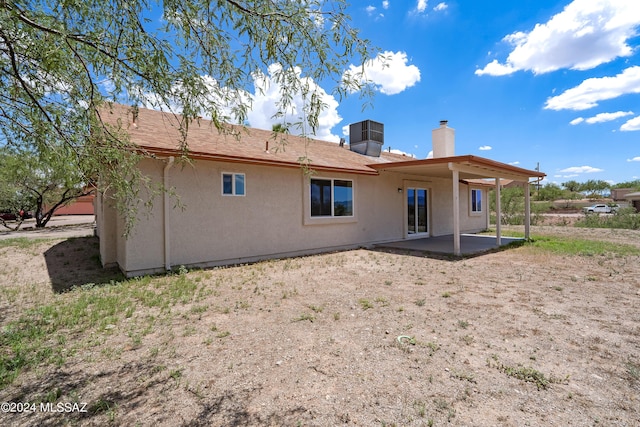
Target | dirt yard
(522,337)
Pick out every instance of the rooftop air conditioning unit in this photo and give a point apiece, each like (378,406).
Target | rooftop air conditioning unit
(366,137)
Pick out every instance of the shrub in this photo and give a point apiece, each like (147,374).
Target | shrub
(625,218)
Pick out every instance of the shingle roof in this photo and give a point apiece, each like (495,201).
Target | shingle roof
(158,133)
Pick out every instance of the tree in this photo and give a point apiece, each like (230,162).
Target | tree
(628,184)
(550,192)
(60,60)
(40,181)
(572,186)
(595,188)
(12,200)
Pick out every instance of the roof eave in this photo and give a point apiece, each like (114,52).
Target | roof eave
(255,161)
(465,159)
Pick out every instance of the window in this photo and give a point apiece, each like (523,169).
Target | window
(331,197)
(233,184)
(476,201)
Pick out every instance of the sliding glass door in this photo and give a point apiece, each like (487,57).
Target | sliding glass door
(417,211)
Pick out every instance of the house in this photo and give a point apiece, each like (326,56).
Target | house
(83,205)
(634,200)
(248,198)
(620,194)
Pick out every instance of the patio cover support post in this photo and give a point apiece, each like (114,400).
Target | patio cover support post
(498,214)
(456,212)
(527,211)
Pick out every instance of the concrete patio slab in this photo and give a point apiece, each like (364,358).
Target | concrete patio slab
(469,244)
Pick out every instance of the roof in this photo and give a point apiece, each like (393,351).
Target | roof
(158,133)
(633,196)
(468,166)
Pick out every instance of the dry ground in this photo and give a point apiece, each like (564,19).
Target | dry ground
(513,338)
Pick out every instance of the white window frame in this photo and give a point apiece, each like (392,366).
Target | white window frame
(234,190)
(471,207)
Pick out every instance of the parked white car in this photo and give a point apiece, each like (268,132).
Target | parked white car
(602,208)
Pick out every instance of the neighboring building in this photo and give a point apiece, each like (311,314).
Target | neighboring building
(83,205)
(248,198)
(634,200)
(620,194)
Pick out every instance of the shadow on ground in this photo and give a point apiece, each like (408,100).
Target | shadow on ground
(425,253)
(137,394)
(76,262)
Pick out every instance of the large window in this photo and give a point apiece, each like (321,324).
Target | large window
(331,197)
(233,184)
(476,201)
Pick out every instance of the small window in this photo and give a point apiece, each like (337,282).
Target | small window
(331,197)
(476,201)
(233,184)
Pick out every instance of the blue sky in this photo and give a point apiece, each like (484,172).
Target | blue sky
(521,82)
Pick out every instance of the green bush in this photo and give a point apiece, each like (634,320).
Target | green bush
(626,218)
(512,207)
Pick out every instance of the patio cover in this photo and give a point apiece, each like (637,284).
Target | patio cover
(464,168)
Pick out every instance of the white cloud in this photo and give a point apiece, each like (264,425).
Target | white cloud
(485,148)
(635,159)
(581,169)
(430,155)
(396,151)
(607,117)
(385,4)
(268,94)
(514,163)
(370,9)
(631,125)
(496,69)
(389,73)
(421,6)
(585,34)
(576,121)
(587,94)
(440,7)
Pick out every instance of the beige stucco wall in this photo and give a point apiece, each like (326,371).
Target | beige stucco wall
(273,218)
(106,230)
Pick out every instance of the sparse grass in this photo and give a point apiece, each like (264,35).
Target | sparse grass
(468,339)
(463,324)
(463,376)
(633,371)
(316,308)
(21,243)
(525,373)
(433,347)
(147,320)
(38,336)
(382,301)
(582,247)
(303,317)
(365,303)
(420,407)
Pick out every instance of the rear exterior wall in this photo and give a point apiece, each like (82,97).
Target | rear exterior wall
(272,218)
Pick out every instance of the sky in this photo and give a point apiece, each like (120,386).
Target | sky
(554,83)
